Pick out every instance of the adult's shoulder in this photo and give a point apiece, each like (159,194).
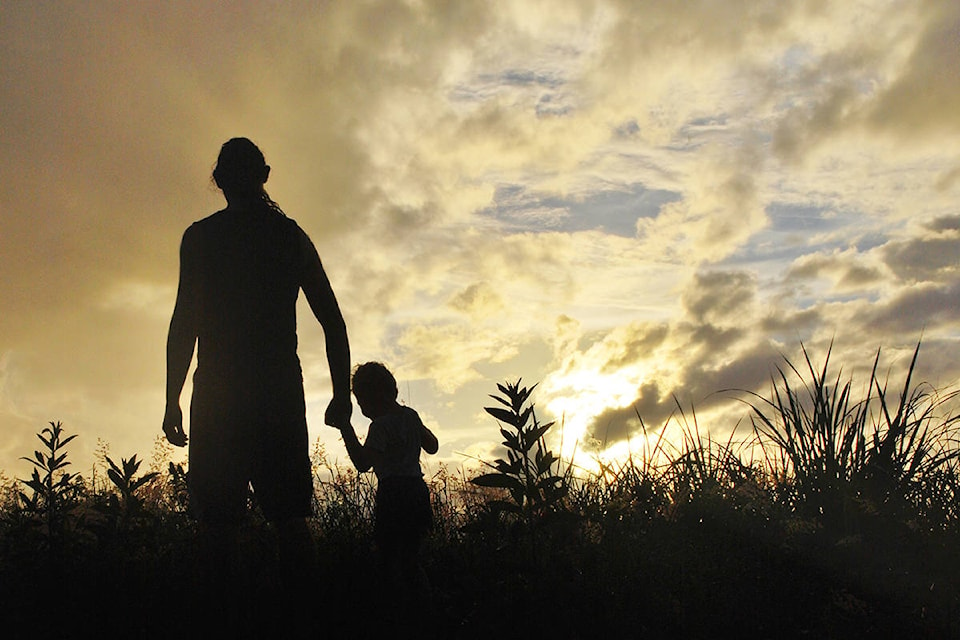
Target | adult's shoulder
(196,230)
(192,234)
(307,249)
(295,227)
(211,220)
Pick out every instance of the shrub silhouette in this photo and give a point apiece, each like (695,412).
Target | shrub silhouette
(855,503)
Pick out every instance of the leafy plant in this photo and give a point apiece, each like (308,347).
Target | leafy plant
(177,490)
(124,478)
(531,472)
(53,490)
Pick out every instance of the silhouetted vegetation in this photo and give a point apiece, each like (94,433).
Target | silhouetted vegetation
(839,518)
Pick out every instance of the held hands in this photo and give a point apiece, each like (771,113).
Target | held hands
(173,426)
(337,416)
(338,412)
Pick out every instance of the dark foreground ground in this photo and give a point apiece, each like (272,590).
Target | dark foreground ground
(699,576)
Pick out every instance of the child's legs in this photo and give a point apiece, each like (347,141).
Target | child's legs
(398,554)
(402,519)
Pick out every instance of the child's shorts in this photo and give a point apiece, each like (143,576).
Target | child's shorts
(403,512)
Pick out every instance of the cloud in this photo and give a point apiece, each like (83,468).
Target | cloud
(479,301)
(919,307)
(658,408)
(847,271)
(665,196)
(136,297)
(615,209)
(720,297)
(923,100)
(448,353)
(929,256)
(638,368)
(726,339)
(834,89)
(719,211)
(566,336)
(901,82)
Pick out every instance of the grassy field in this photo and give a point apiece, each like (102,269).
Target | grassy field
(848,527)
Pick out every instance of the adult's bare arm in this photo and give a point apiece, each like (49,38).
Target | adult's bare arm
(181,340)
(323,304)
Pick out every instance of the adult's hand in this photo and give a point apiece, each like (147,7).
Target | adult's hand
(173,426)
(338,412)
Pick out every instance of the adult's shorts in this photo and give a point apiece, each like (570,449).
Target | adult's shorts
(241,440)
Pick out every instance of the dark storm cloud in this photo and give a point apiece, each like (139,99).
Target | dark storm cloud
(924,259)
(944,223)
(711,348)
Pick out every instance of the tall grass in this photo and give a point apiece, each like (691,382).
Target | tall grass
(837,456)
(845,525)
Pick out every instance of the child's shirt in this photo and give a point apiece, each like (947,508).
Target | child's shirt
(397,437)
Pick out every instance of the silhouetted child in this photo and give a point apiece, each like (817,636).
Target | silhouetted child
(392,448)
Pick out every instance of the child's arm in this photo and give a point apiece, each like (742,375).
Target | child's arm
(363,458)
(427,440)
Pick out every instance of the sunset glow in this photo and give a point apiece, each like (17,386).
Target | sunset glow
(629,203)
(579,397)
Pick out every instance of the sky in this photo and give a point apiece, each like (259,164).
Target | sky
(636,205)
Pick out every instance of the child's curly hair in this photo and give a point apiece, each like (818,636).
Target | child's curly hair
(373,379)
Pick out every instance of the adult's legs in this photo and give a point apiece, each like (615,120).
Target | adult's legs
(298,577)
(220,587)
(298,554)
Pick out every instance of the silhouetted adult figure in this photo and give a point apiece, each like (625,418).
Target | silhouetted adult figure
(241,270)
